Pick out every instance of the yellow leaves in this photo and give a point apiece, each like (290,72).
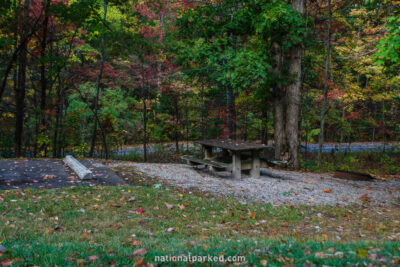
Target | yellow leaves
(47,231)
(324,235)
(362,253)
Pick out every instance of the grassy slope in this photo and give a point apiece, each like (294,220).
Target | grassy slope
(95,225)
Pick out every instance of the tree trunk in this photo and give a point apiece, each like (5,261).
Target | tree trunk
(98,80)
(230,112)
(177,124)
(278,105)
(20,89)
(293,98)
(264,131)
(43,79)
(144,130)
(325,93)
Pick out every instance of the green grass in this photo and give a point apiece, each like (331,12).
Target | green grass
(100,226)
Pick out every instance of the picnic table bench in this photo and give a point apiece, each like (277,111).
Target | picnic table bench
(244,156)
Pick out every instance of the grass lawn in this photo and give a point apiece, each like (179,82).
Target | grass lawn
(133,224)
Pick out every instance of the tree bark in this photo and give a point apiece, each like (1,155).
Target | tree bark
(325,92)
(293,98)
(98,80)
(278,105)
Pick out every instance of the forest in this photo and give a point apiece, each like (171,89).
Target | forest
(200,133)
(91,77)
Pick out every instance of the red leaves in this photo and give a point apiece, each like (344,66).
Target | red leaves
(139,211)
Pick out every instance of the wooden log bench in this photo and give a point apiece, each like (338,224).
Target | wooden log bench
(214,165)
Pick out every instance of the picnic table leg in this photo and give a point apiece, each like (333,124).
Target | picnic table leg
(236,165)
(208,155)
(207,152)
(255,167)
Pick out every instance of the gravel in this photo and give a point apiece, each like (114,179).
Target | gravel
(294,188)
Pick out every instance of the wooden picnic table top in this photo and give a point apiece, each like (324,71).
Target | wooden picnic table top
(233,145)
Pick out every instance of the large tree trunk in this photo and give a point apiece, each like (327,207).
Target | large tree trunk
(293,98)
(326,78)
(96,103)
(278,105)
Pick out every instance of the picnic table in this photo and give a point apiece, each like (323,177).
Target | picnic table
(244,155)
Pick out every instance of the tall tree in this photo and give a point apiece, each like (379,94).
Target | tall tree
(293,96)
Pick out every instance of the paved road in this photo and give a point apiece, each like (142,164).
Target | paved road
(52,173)
(327,148)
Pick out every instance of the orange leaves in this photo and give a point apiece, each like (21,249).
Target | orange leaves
(327,191)
(252,215)
(365,198)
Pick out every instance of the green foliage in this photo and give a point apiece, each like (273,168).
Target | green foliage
(389,47)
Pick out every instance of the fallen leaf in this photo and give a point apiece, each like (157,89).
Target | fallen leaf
(132,199)
(7,262)
(362,253)
(93,257)
(136,243)
(365,198)
(324,235)
(327,191)
(138,262)
(139,252)
(169,206)
(139,211)
(252,215)
(47,231)
(170,229)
